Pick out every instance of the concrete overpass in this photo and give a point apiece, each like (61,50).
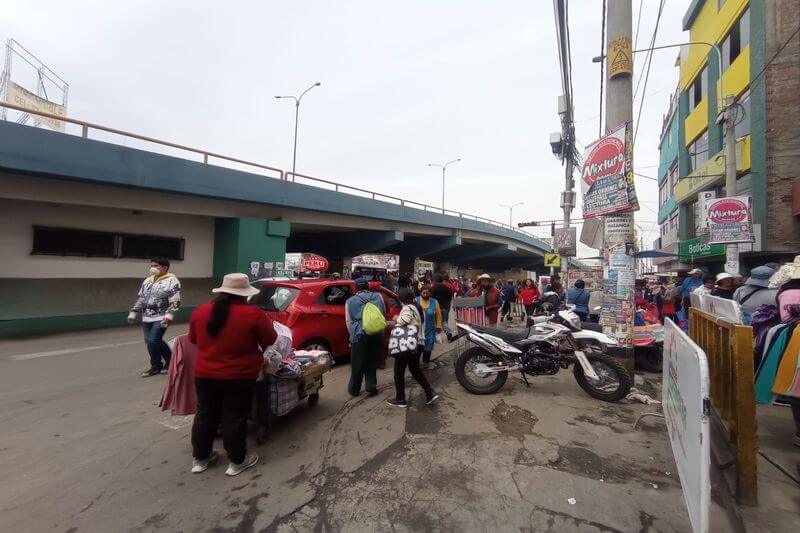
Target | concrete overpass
(224,217)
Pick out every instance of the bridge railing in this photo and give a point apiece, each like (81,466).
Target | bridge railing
(209,157)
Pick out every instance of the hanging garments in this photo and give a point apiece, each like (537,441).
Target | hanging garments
(769,367)
(784,377)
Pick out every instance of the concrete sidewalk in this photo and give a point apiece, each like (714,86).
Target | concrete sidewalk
(86,449)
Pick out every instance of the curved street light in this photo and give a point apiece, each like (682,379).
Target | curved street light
(297,100)
(511,212)
(444,169)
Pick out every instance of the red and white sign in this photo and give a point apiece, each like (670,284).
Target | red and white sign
(315,263)
(729,220)
(606,178)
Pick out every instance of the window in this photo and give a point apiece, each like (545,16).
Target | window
(74,242)
(90,243)
(673,178)
(698,89)
(737,40)
(147,246)
(698,151)
(335,295)
(275,298)
(662,193)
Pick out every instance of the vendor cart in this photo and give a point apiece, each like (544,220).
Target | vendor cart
(277,395)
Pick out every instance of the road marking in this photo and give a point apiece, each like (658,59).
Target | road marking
(66,351)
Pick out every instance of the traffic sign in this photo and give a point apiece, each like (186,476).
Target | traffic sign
(552,260)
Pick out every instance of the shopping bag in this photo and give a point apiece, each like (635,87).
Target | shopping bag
(403,339)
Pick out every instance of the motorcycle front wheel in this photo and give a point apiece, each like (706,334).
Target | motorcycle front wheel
(469,376)
(614,383)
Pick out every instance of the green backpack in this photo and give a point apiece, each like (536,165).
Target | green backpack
(372,320)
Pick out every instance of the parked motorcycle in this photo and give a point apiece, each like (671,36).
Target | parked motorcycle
(550,344)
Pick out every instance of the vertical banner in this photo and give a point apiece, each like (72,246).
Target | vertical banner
(685,395)
(565,241)
(729,220)
(607,174)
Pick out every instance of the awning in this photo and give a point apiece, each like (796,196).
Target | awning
(652,254)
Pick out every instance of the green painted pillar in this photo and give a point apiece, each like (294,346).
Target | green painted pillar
(238,241)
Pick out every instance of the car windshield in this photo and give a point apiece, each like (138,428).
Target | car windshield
(275,297)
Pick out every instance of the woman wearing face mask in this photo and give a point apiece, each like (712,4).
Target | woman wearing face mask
(433,321)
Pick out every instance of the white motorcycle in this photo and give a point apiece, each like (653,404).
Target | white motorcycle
(547,345)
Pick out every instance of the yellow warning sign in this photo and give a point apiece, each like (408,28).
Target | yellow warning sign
(552,260)
(620,57)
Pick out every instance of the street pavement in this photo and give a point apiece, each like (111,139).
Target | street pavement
(85,448)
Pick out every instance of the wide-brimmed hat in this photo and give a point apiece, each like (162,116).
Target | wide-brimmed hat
(236,284)
(724,275)
(695,271)
(759,276)
(485,276)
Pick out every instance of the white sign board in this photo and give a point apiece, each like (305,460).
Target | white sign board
(723,308)
(685,396)
(24,98)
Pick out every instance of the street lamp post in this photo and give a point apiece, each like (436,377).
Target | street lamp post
(511,212)
(444,169)
(297,100)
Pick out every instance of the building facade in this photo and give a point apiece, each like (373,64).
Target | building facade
(760,66)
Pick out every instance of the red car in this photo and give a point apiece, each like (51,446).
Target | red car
(314,310)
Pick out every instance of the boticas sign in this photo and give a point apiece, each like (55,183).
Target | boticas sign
(604,184)
(729,220)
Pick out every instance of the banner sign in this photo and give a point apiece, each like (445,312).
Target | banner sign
(607,177)
(729,220)
(729,310)
(685,396)
(620,56)
(380,261)
(695,248)
(24,98)
(315,263)
(565,241)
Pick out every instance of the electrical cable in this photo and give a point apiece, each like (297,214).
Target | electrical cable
(602,64)
(647,73)
(763,70)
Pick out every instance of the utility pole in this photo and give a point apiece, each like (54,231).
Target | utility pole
(567,203)
(444,171)
(619,236)
(732,249)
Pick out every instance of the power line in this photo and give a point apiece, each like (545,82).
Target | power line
(763,70)
(602,63)
(647,73)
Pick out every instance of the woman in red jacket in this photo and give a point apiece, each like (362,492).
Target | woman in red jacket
(528,295)
(230,336)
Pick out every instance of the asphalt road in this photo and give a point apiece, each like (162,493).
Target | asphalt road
(85,448)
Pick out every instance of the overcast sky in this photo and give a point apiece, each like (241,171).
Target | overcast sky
(403,84)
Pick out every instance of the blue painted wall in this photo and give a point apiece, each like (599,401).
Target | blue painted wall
(668,149)
(35,151)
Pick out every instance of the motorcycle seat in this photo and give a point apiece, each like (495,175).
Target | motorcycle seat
(510,336)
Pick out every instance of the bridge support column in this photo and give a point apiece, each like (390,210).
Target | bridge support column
(240,241)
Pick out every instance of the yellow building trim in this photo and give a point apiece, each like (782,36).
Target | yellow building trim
(697,122)
(737,78)
(712,172)
(710,26)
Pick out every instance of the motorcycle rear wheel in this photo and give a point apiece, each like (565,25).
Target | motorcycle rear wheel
(614,383)
(467,377)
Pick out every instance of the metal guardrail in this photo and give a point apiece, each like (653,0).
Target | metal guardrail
(285,175)
(729,348)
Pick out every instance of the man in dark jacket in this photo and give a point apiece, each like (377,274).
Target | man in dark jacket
(443,294)
(509,297)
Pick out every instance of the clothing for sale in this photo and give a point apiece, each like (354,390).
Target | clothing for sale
(788,299)
(443,294)
(223,402)
(179,394)
(159,298)
(433,320)
(765,375)
(236,352)
(784,377)
(289,368)
(761,321)
(354,310)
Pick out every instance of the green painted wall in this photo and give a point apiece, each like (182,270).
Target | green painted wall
(238,241)
(715,139)
(758,118)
